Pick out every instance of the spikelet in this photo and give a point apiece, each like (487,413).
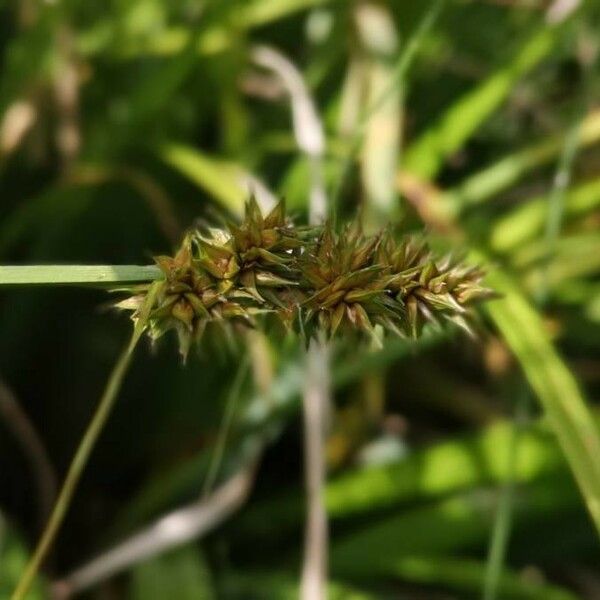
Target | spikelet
(346,284)
(428,287)
(188,298)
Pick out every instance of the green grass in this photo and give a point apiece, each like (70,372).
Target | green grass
(122,128)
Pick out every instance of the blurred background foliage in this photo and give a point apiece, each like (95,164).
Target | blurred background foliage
(124,122)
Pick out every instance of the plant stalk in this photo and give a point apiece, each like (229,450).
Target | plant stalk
(315,406)
(504,512)
(78,274)
(76,469)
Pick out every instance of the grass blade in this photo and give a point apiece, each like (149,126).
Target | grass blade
(425,157)
(502,524)
(76,469)
(526,221)
(447,527)
(554,385)
(222,180)
(465,575)
(509,170)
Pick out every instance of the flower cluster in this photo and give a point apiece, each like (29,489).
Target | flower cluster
(313,279)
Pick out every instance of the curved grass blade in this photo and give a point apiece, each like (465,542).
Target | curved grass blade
(426,155)
(554,385)
(507,171)
(466,576)
(222,180)
(526,221)
(75,471)
(448,527)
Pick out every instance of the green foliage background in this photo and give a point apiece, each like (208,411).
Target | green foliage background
(140,117)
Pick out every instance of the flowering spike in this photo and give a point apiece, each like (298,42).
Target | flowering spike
(313,277)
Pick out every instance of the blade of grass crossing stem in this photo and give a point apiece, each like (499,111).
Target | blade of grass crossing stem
(84,450)
(280,585)
(553,383)
(406,58)
(472,462)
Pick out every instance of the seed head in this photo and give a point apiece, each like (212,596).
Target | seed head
(346,285)
(429,288)
(314,277)
(189,297)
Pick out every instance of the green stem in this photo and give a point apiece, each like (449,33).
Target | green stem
(556,205)
(77,274)
(76,469)
(504,512)
(230,404)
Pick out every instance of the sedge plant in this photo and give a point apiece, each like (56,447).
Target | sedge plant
(312,280)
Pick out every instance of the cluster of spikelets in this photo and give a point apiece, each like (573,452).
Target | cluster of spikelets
(310,279)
